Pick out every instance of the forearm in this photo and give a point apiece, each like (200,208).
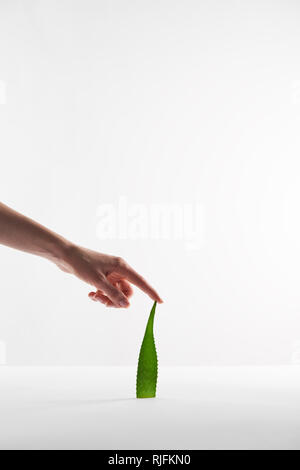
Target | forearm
(22,233)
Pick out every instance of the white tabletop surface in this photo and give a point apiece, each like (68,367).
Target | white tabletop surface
(196,408)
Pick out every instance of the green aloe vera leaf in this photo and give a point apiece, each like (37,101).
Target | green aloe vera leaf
(147,366)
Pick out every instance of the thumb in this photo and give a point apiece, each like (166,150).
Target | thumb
(115,295)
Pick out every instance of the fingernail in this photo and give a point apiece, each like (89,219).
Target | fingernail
(123,303)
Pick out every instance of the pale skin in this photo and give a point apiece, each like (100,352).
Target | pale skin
(111,276)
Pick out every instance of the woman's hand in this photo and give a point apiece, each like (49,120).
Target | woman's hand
(110,275)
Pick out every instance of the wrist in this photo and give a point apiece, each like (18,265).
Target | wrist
(59,251)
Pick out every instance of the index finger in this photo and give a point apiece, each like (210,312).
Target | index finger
(132,276)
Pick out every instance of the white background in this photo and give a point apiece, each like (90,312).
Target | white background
(75,408)
(161,102)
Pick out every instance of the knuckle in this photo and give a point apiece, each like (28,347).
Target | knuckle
(119,262)
(100,279)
